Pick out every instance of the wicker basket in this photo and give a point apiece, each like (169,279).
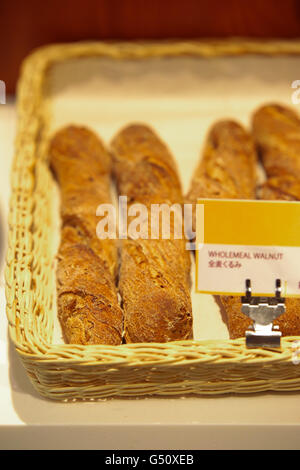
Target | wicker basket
(70,372)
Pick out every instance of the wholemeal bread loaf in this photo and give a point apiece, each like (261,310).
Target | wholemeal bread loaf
(226,170)
(154,278)
(276,130)
(87,302)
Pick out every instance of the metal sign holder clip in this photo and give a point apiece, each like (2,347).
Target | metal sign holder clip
(263,311)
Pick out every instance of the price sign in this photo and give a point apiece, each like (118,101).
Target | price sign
(247,239)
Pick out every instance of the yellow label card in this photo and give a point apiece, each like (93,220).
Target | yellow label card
(247,239)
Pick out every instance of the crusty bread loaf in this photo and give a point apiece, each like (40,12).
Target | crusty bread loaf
(227,170)
(276,130)
(87,301)
(154,279)
(227,167)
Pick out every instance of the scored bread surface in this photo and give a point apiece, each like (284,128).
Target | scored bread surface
(227,170)
(276,129)
(154,279)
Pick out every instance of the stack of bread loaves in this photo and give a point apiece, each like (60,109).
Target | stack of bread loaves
(152,276)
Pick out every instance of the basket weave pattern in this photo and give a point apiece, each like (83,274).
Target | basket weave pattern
(68,372)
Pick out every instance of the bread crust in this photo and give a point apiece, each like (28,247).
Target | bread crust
(277,132)
(154,279)
(227,167)
(283,188)
(88,307)
(227,170)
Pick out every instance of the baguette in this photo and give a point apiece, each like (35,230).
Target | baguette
(276,130)
(226,170)
(87,301)
(154,278)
